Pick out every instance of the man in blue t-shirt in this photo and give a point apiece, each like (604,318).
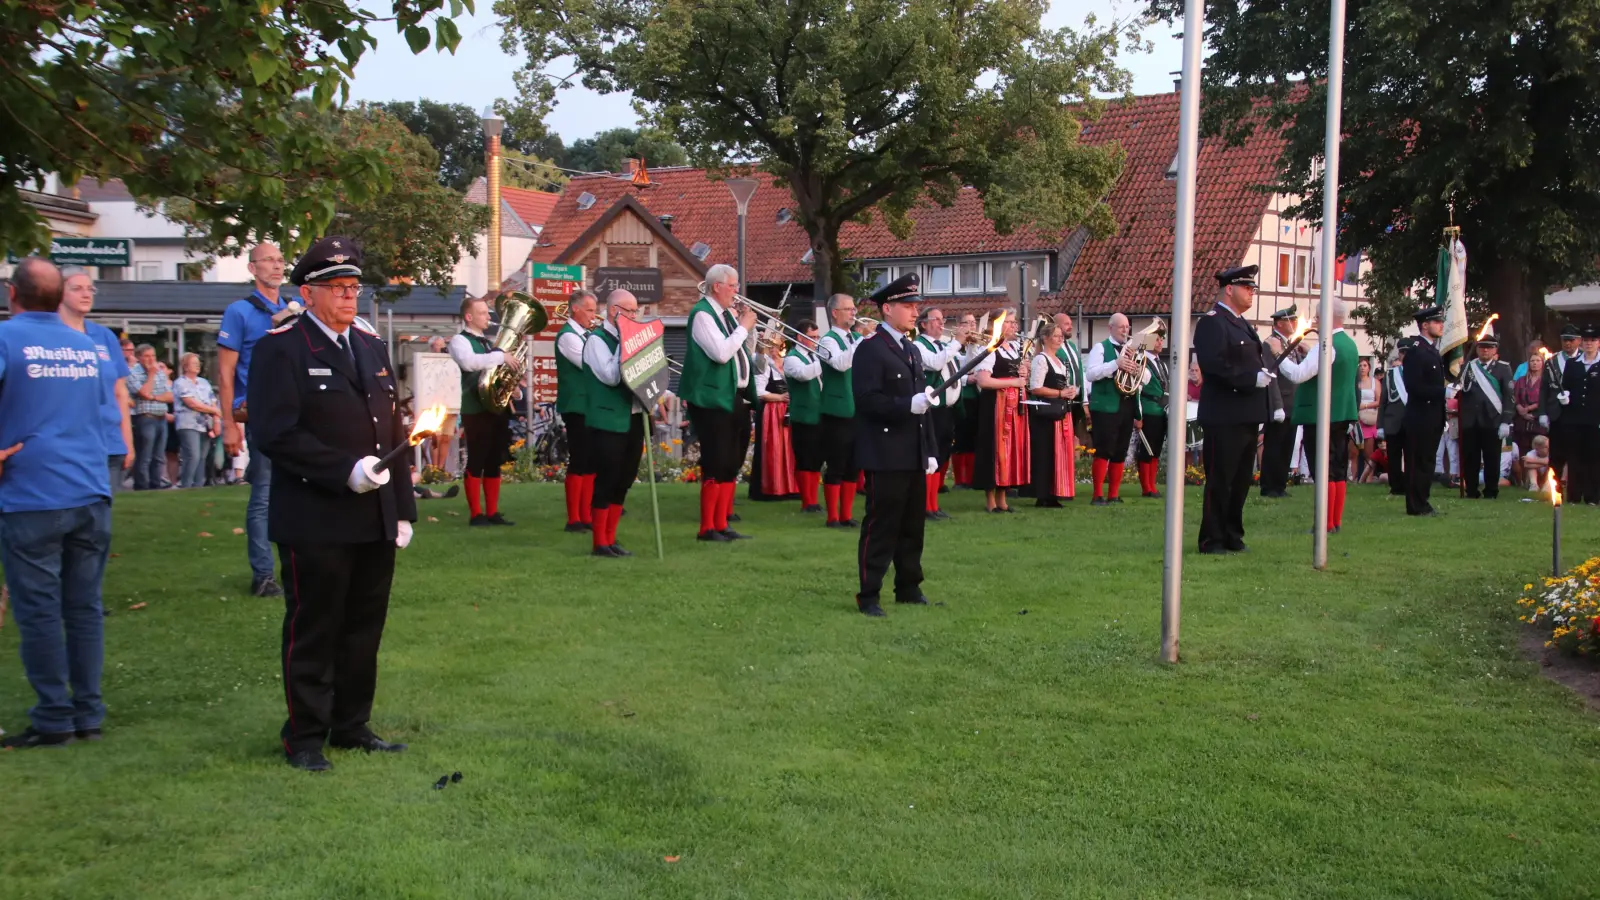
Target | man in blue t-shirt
(243,323)
(55,507)
(77,301)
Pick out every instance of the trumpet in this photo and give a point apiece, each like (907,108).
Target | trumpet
(770,319)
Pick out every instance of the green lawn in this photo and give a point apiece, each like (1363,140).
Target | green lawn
(1370,731)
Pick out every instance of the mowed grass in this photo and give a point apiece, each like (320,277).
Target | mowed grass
(723,724)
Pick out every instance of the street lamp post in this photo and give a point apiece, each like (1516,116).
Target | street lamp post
(492,127)
(742,189)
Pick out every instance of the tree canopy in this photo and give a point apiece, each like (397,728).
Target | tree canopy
(610,150)
(456,132)
(194,101)
(862,108)
(1489,114)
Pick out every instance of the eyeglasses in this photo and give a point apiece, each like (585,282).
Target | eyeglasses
(278,260)
(347,290)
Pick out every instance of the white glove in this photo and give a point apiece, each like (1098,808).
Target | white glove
(1277,415)
(921,402)
(1544,422)
(364,478)
(1505,431)
(1564,398)
(1263,378)
(402,534)
(933,466)
(1380,434)
(1449,391)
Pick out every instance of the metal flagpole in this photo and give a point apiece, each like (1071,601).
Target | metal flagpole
(1330,235)
(1182,287)
(655,503)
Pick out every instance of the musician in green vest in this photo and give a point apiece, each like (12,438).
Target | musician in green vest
(964,446)
(1486,407)
(488,432)
(802,370)
(1152,420)
(616,429)
(838,348)
(1072,358)
(715,387)
(940,358)
(1110,411)
(572,401)
(1343,409)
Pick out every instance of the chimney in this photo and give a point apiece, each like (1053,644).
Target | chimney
(666,222)
(1177,82)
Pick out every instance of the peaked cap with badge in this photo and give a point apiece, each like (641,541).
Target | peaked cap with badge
(905,289)
(332,257)
(1244,276)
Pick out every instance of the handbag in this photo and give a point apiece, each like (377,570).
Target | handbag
(1053,410)
(1369,417)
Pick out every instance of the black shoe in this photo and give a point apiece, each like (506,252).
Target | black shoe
(1336,529)
(1099,501)
(918,600)
(734,517)
(370,743)
(454,490)
(870,608)
(265,587)
(602,552)
(849,523)
(309,761)
(577,528)
(1153,495)
(88,734)
(813,508)
(1493,496)
(29,739)
(720,537)
(498,519)
(930,517)
(1238,548)
(1474,495)
(616,550)
(478,520)
(1113,499)
(1214,550)
(939,513)
(732,535)
(835,523)
(944,488)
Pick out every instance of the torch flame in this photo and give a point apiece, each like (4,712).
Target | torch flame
(1301,331)
(1555,492)
(428,421)
(995,328)
(1485,329)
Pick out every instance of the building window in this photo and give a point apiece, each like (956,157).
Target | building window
(997,276)
(110,273)
(969,277)
(149,271)
(938,280)
(1301,264)
(1283,270)
(191,271)
(877,276)
(903,271)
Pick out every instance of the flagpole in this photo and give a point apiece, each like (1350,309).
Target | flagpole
(1330,235)
(1182,289)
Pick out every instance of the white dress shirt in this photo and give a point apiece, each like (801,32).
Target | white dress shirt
(1098,368)
(600,360)
(841,360)
(1037,373)
(796,370)
(570,345)
(722,348)
(470,360)
(1304,370)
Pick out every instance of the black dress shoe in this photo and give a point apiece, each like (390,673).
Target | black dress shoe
(1336,529)
(478,520)
(1153,495)
(734,517)
(1099,501)
(930,517)
(715,536)
(1214,550)
(265,587)
(576,528)
(918,600)
(498,519)
(942,514)
(813,508)
(944,489)
(732,535)
(835,523)
(454,490)
(29,738)
(849,523)
(309,761)
(1238,548)
(89,734)
(603,552)
(370,743)
(1114,500)
(870,608)
(616,550)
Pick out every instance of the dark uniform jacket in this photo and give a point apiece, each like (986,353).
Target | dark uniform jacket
(1553,383)
(1230,354)
(1476,410)
(1424,380)
(1281,394)
(1391,410)
(889,438)
(315,414)
(1583,387)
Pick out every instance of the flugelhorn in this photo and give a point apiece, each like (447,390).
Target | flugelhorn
(1130,383)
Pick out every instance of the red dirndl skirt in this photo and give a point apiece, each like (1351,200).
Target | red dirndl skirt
(777,452)
(1011,459)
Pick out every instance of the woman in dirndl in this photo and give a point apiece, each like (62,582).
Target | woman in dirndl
(1050,424)
(1000,457)
(772,474)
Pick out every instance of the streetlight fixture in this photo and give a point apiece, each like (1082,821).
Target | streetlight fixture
(742,190)
(493,125)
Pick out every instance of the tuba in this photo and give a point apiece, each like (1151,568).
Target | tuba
(1130,383)
(520,315)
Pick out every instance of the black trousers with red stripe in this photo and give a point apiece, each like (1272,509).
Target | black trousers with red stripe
(892,532)
(336,598)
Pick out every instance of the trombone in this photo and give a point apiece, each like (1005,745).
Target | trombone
(770,319)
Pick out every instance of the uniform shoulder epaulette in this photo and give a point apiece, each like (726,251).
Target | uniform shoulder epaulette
(284,327)
(361,324)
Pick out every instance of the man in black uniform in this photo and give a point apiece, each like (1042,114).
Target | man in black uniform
(1233,405)
(1486,408)
(1550,406)
(895,446)
(1277,435)
(1424,422)
(1581,412)
(1392,418)
(323,409)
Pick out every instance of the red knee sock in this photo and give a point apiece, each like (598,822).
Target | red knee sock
(586,500)
(725,507)
(968,460)
(861,482)
(847,500)
(1114,476)
(1336,506)
(574,491)
(1100,467)
(1151,472)
(831,491)
(474,505)
(601,515)
(933,492)
(710,498)
(813,488)
(491,496)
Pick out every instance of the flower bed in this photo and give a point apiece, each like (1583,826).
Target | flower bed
(1569,608)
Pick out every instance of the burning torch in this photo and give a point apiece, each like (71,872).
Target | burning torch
(377,471)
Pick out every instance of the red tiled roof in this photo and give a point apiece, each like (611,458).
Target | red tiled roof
(703,211)
(1131,271)
(533,206)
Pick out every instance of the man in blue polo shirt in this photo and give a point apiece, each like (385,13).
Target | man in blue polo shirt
(55,507)
(243,323)
(77,301)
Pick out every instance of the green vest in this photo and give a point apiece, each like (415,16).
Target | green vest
(609,406)
(1105,398)
(805,397)
(1153,396)
(1343,408)
(1069,354)
(572,382)
(705,382)
(838,397)
(469,380)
